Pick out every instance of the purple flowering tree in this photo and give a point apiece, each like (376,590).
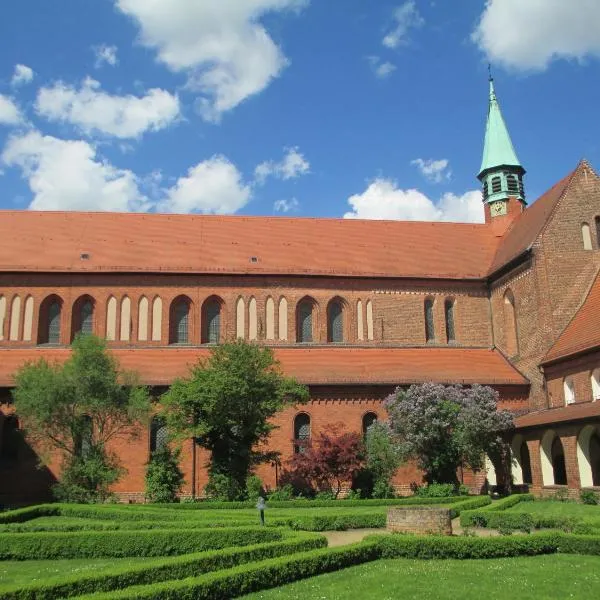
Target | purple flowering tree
(444,427)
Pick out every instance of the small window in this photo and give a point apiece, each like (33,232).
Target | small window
(335,322)
(301,433)
(10,438)
(496,184)
(429,323)
(569,391)
(159,433)
(513,185)
(368,420)
(449,313)
(586,234)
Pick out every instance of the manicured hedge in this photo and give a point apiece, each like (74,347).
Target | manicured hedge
(335,522)
(169,542)
(31,512)
(157,570)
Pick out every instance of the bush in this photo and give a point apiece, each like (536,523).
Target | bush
(335,522)
(436,490)
(383,489)
(254,488)
(589,497)
(222,488)
(154,571)
(88,544)
(282,493)
(163,475)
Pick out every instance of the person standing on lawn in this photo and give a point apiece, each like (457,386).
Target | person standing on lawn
(260,506)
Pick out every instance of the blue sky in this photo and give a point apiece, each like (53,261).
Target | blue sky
(297,107)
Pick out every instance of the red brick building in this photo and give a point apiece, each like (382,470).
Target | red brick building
(353,309)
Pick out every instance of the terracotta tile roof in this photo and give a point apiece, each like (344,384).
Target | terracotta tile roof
(562,414)
(317,366)
(583,331)
(525,230)
(54,241)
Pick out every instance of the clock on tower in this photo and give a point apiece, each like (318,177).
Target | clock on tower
(498,208)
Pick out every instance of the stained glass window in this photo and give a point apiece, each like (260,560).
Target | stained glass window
(305,322)
(54,323)
(212,322)
(301,432)
(181,316)
(335,323)
(158,433)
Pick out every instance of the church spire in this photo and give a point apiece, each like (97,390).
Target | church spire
(501,172)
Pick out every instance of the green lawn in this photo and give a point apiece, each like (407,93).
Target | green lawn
(35,571)
(535,578)
(559,509)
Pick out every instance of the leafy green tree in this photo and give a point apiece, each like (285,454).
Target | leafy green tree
(163,475)
(383,458)
(77,408)
(226,404)
(443,427)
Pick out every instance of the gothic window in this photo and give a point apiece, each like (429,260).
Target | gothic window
(305,322)
(429,324)
(283,319)
(49,325)
(240,319)
(252,320)
(270,318)
(125,319)
(569,391)
(28,320)
(449,313)
(368,420)
(158,433)
(157,319)
(513,185)
(180,317)
(111,319)
(15,318)
(496,184)
(211,321)
(143,308)
(587,236)
(10,438)
(370,334)
(558,462)
(301,433)
(510,324)
(335,322)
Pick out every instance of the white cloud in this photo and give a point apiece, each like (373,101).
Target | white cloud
(381,69)
(286,205)
(212,186)
(433,170)
(105,55)
(94,111)
(22,75)
(9,111)
(406,17)
(222,46)
(384,200)
(68,175)
(292,165)
(529,34)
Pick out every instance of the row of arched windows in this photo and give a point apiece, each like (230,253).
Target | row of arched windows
(449,318)
(586,234)
(302,429)
(569,388)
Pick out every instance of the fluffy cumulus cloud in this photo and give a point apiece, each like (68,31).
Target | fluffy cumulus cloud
(94,111)
(382,69)
(435,171)
(9,111)
(406,17)
(223,47)
(105,55)
(69,175)
(285,206)
(529,34)
(292,165)
(383,199)
(213,186)
(22,75)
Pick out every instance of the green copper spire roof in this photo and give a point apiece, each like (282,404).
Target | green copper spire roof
(498,149)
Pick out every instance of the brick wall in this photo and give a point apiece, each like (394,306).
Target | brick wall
(419,520)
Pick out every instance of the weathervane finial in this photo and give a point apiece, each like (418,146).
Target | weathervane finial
(490,71)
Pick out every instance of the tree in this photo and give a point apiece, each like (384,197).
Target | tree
(443,427)
(331,460)
(383,458)
(77,408)
(226,404)
(163,475)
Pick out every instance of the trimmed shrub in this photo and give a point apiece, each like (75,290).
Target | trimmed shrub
(39,546)
(164,478)
(157,570)
(254,488)
(335,522)
(32,512)
(436,490)
(589,497)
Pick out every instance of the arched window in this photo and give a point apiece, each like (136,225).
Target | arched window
(335,322)
(510,324)
(180,320)
(82,317)
(9,450)
(301,433)
(270,318)
(211,321)
(28,320)
(159,433)
(252,320)
(370,326)
(157,319)
(595,384)
(15,318)
(240,319)
(111,319)
(304,321)
(125,319)
(449,314)
(429,323)
(521,462)
(2,316)
(588,456)
(283,319)
(49,322)
(360,328)
(368,420)
(569,391)
(143,310)
(558,462)
(587,236)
